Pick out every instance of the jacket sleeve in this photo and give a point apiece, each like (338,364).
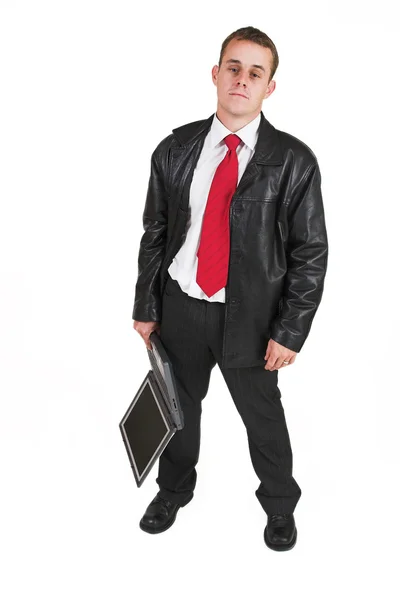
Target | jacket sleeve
(307,259)
(147,303)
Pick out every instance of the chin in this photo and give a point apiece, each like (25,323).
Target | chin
(234,104)
(239,111)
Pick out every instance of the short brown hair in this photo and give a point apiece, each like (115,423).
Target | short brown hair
(257,36)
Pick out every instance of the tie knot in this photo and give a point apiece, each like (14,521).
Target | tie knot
(232,141)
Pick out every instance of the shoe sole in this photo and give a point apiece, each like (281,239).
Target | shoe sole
(148,529)
(281,547)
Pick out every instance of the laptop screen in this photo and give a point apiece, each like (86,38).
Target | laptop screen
(145,427)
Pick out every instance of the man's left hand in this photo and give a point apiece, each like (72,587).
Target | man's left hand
(276,354)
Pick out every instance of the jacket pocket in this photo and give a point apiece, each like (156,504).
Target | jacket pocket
(260,198)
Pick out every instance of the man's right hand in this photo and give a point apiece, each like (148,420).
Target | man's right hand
(144,328)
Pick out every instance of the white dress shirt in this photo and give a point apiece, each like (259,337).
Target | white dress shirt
(184,265)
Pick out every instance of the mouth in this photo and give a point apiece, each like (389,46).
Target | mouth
(236,94)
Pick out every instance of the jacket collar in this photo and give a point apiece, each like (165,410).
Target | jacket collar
(267,151)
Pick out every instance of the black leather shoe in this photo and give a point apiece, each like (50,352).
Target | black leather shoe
(159,515)
(280,532)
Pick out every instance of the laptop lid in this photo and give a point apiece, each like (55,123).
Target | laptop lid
(146,427)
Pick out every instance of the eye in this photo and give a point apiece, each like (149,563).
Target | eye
(235,69)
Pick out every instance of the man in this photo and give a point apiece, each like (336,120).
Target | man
(231,271)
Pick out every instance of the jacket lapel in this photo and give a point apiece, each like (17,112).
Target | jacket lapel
(191,140)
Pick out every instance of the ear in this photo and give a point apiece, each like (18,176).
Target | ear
(214,74)
(270,88)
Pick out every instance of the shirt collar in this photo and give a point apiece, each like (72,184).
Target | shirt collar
(248,134)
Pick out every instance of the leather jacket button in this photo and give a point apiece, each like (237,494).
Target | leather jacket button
(235,300)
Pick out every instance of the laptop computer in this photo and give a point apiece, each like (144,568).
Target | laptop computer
(164,374)
(154,414)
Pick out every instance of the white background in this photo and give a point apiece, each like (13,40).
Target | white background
(88,89)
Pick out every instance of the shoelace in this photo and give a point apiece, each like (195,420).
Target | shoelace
(166,503)
(282,516)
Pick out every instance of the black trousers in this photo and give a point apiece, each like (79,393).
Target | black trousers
(192,331)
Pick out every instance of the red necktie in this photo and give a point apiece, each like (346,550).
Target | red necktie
(213,251)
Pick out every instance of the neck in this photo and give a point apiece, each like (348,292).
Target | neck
(235,122)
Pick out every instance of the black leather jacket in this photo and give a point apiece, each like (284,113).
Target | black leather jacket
(278,239)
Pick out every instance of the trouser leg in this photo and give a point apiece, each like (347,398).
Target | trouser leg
(258,400)
(182,333)
(257,397)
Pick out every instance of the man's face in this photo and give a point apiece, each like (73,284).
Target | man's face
(238,75)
